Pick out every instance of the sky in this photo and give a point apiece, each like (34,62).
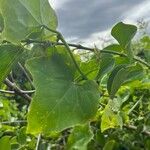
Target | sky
(88,21)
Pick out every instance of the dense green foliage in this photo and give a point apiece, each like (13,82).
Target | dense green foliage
(53,98)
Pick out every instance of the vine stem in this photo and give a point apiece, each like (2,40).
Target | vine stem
(13,122)
(60,36)
(135,105)
(17,89)
(136,128)
(26,74)
(38,142)
(127,126)
(13,92)
(78,46)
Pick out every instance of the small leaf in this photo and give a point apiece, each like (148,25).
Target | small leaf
(111,117)
(79,138)
(22,17)
(9,55)
(107,63)
(124,33)
(110,145)
(116,79)
(59,102)
(114,47)
(5,143)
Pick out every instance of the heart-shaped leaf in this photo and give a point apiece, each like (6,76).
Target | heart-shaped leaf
(5,143)
(124,33)
(59,102)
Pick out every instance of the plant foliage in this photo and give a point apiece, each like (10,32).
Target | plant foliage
(54,98)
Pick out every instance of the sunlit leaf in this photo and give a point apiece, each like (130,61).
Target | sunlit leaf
(4,143)
(111,117)
(124,33)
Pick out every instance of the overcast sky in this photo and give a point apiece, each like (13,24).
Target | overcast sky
(89,20)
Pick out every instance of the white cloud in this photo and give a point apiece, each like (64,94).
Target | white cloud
(57,3)
(96,39)
(141,10)
(131,15)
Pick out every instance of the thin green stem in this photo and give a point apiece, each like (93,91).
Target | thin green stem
(38,142)
(7,92)
(135,105)
(26,74)
(13,122)
(78,46)
(68,49)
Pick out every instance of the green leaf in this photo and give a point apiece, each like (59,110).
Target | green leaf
(25,17)
(124,33)
(79,138)
(59,102)
(135,72)
(21,136)
(4,143)
(111,117)
(107,63)
(110,145)
(114,47)
(116,79)
(9,55)
(90,68)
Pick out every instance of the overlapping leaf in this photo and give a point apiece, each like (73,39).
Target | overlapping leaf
(116,79)
(9,55)
(124,33)
(22,17)
(111,117)
(107,63)
(79,138)
(5,143)
(59,102)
